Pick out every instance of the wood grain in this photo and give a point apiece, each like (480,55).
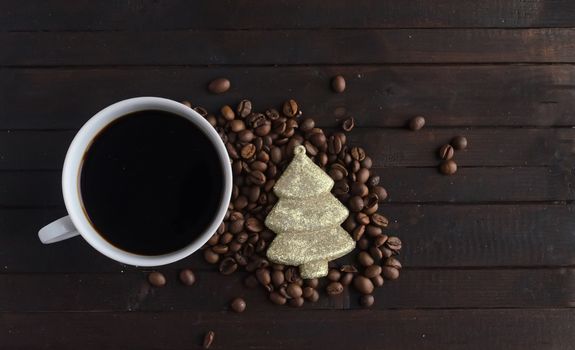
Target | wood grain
(45,150)
(401,329)
(225,14)
(519,95)
(434,236)
(405,185)
(301,47)
(417,289)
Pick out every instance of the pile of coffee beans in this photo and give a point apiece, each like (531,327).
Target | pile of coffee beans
(260,145)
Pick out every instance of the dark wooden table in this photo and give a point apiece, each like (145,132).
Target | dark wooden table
(489,253)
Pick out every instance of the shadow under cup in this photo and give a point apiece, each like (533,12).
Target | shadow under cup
(151,182)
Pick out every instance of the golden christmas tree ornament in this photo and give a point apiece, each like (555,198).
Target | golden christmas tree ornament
(307,219)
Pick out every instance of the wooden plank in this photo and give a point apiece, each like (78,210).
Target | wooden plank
(411,185)
(225,14)
(387,96)
(301,47)
(45,150)
(515,288)
(34,150)
(447,236)
(294,329)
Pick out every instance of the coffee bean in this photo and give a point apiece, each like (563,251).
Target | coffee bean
(225,238)
(367,162)
(244,108)
(363,244)
(354,166)
(318,140)
(334,145)
(276,155)
(307,124)
(386,251)
(157,279)
(362,175)
(348,268)
(380,192)
(363,284)
(263,276)
(277,299)
(236,225)
(187,103)
(219,86)
(257,177)
(338,83)
(358,189)
(290,108)
(448,167)
(367,300)
(416,123)
(240,258)
(373,181)
(220,249)
(277,278)
(227,112)
(208,339)
(245,136)
(210,256)
(228,266)
(355,204)
(391,273)
(446,152)
(241,202)
(292,274)
(348,124)
(314,297)
(296,302)
(235,247)
(201,111)
(248,151)
(336,174)
(379,220)
(459,142)
(307,292)
(263,129)
(213,240)
(358,232)
(251,281)
(333,275)
(376,254)
(372,271)
(370,204)
(380,239)
(393,262)
(377,281)
(294,290)
(313,282)
(334,288)
(238,305)
(393,243)
(310,148)
(357,153)
(340,187)
(365,259)
(346,278)
(362,218)
(272,114)
(212,120)
(254,225)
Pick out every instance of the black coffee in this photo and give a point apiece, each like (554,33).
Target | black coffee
(151,182)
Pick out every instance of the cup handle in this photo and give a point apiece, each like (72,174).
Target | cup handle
(57,231)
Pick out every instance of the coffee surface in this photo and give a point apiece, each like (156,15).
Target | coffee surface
(151,182)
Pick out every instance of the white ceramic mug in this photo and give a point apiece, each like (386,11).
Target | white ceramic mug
(77,222)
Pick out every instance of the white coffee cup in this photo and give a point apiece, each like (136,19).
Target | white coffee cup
(77,222)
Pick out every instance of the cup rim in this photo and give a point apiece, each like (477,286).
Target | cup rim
(72,169)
